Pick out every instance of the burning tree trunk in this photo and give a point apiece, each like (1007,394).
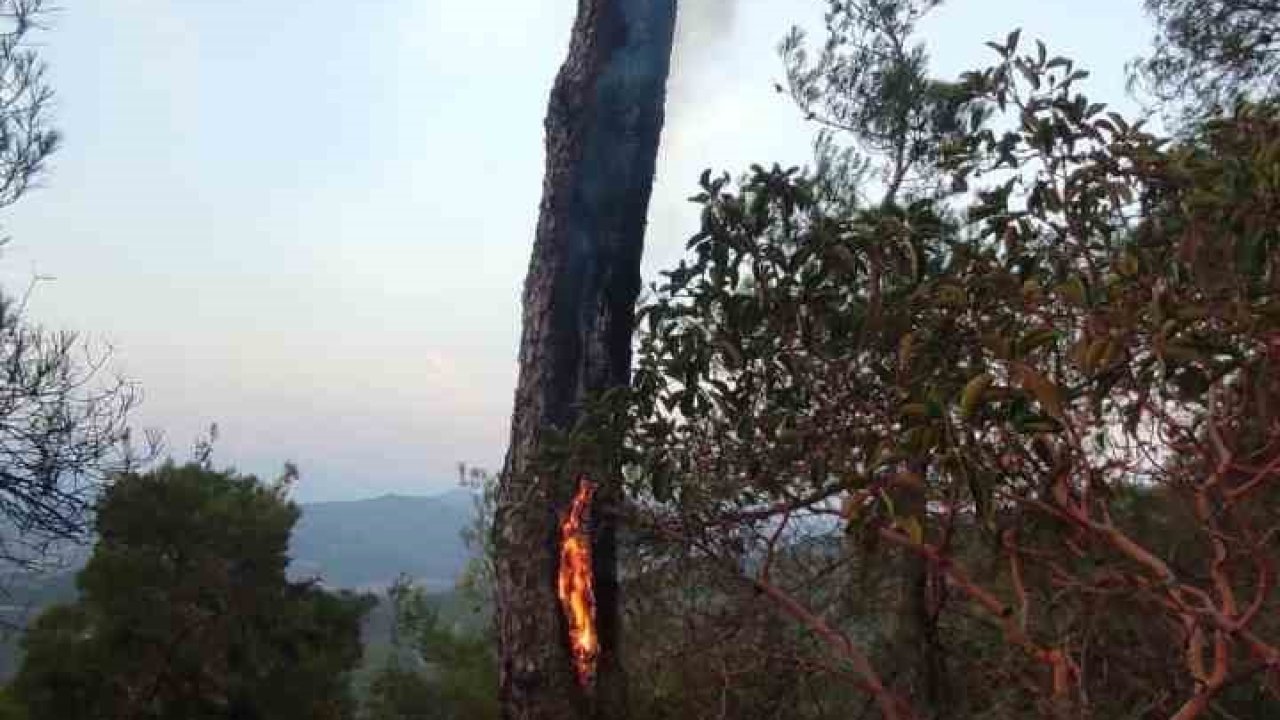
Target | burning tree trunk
(602,127)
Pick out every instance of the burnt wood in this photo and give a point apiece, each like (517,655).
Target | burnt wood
(602,128)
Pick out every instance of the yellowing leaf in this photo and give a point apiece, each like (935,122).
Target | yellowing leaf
(999,344)
(912,527)
(952,296)
(910,480)
(1037,338)
(1111,348)
(906,350)
(850,507)
(1127,265)
(1093,355)
(915,410)
(1041,388)
(972,394)
(1074,291)
(1031,291)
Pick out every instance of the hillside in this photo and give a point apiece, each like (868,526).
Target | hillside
(367,543)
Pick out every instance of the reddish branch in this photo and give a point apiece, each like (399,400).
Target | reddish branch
(1062,668)
(869,681)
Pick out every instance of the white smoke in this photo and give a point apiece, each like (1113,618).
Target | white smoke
(704,33)
(702,27)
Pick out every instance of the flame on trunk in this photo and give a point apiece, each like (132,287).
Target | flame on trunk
(576,584)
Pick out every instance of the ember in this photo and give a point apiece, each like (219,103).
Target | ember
(575,583)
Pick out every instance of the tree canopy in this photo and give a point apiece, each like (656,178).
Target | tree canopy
(185,611)
(999,441)
(63,430)
(1211,54)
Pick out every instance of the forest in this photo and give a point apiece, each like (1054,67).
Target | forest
(974,415)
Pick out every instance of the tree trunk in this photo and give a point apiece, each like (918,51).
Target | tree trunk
(920,663)
(602,127)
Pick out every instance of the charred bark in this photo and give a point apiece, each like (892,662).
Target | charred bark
(602,127)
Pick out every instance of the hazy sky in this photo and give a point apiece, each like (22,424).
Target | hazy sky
(309,220)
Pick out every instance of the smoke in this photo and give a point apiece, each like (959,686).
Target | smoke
(701,70)
(701,23)
(702,28)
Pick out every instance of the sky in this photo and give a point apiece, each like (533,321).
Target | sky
(308,221)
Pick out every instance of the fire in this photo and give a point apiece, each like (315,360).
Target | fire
(576,583)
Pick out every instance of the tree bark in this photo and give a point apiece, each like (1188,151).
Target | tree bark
(602,128)
(920,661)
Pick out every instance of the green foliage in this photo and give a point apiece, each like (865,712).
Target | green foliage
(63,430)
(1211,54)
(399,694)
(1049,378)
(185,611)
(26,137)
(476,585)
(63,433)
(11,709)
(869,86)
(436,670)
(443,662)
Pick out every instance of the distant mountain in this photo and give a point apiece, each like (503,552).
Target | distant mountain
(356,544)
(367,543)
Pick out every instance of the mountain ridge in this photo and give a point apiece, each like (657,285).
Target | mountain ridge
(367,543)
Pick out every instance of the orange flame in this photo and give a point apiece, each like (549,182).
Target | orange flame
(576,583)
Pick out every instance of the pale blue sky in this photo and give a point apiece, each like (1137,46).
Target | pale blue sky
(309,221)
